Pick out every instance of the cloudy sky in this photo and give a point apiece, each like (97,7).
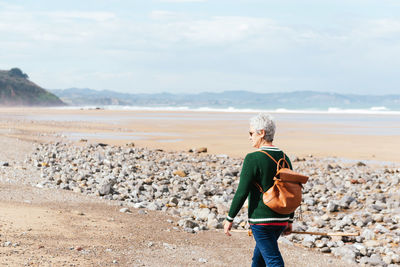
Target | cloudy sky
(343,46)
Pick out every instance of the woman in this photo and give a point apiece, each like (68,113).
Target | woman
(265,224)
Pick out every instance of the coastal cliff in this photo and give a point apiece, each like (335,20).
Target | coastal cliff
(17,90)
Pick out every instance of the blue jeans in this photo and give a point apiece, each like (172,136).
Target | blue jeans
(266,252)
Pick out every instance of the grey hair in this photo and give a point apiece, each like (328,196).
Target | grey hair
(264,121)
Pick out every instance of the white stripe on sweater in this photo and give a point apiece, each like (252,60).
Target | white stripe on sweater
(271,148)
(269,219)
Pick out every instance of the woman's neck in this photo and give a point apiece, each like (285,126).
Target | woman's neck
(265,143)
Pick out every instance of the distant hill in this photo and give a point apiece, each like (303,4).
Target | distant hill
(82,97)
(236,99)
(17,90)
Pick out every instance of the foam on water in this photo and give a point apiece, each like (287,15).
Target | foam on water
(330,110)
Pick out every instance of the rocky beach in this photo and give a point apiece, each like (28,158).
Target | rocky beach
(87,200)
(197,189)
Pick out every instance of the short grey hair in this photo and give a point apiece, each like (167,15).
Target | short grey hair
(264,121)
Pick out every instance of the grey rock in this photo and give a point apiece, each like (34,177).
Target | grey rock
(189,230)
(345,252)
(375,260)
(332,206)
(381,229)
(190,224)
(153,206)
(213,223)
(174,200)
(105,189)
(202,214)
(309,241)
(286,241)
(309,202)
(387,259)
(346,201)
(396,258)
(325,217)
(169,246)
(361,248)
(320,243)
(125,210)
(142,212)
(368,234)
(377,207)
(325,250)
(202,260)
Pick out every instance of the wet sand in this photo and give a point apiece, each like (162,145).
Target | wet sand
(221,133)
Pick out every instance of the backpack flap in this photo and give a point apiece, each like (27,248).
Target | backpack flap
(288,175)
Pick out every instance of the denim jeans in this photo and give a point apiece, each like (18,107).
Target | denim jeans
(266,252)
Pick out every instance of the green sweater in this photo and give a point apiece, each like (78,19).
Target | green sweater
(260,168)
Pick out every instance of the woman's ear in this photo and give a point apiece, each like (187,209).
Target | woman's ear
(262,133)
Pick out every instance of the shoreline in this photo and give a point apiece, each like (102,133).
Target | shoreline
(331,110)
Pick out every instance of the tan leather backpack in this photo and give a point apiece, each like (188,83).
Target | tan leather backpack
(285,195)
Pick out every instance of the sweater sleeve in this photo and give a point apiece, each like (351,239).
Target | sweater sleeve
(291,216)
(246,177)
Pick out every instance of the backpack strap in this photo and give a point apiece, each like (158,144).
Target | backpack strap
(278,165)
(258,187)
(266,153)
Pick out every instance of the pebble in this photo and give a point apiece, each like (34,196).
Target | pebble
(125,210)
(169,246)
(346,252)
(325,250)
(198,189)
(332,207)
(375,260)
(203,260)
(309,241)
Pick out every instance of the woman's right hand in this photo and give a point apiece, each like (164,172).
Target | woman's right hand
(227,228)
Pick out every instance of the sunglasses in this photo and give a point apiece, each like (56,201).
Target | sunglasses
(251,133)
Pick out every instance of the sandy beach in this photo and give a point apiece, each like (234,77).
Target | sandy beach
(366,137)
(54,227)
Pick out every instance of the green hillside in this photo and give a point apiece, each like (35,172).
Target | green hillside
(17,90)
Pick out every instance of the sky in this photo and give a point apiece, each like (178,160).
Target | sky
(191,46)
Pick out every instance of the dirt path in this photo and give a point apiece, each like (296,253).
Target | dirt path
(87,232)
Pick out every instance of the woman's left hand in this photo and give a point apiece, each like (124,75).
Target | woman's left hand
(227,228)
(288,229)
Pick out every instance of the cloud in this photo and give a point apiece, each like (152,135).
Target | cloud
(73,27)
(389,28)
(72,15)
(166,15)
(217,30)
(176,48)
